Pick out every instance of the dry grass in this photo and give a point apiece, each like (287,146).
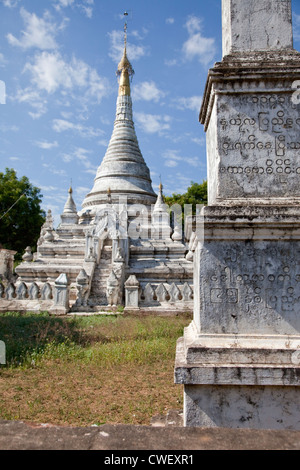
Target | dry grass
(83,371)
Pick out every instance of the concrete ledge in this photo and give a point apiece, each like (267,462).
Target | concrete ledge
(16,435)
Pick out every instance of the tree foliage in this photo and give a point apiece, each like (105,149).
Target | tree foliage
(195,194)
(21,216)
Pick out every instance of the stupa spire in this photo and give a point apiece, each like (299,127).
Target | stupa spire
(69,215)
(125,70)
(123,171)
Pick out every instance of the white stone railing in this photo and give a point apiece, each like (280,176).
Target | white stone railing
(157,294)
(23,291)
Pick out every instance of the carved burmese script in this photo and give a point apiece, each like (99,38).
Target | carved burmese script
(259,144)
(256,287)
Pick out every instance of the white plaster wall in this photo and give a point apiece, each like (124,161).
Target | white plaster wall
(242,407)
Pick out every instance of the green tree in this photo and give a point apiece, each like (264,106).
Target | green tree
(21,216)
(196,194)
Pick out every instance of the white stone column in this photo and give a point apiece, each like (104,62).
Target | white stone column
(239,358)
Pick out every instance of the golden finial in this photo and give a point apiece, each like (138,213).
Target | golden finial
(125,69)
(160,184)
(125,30)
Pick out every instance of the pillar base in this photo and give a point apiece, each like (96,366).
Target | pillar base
(239,382)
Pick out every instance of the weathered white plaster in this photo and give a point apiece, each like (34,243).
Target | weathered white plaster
(248,25)
(243,407)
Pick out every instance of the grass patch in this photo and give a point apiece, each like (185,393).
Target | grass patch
(88,370)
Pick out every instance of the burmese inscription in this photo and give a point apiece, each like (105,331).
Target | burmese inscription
(256,286)
(259,147)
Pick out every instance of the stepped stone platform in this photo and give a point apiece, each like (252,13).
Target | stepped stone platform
(17,435)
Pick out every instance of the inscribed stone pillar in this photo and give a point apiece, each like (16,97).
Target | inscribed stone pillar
(239,358)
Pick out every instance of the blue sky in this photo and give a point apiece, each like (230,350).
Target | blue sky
(58,60)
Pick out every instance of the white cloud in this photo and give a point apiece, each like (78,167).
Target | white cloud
(46,145)
(193,24)
(51,73)
(82,190)
(81,155)
(39,32)
(61,125)
(170,20)
(192,102)
(152,123)
(34,99)
(64,3)
(198,140)
(10,3)
(171,62)
(147,91)
(197,46)
(134,52)
(7,128)
(171,163)
(173,158)
(103,142)
(85,6)
(48,188)
(88,11)
(54,169)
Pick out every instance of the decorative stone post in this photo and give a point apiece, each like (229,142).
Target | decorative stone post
(28,256)
(239,358)
(61,296)
(132,293)
(82,286)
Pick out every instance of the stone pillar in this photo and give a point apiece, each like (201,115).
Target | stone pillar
(239,358)
(251,25)
(132,293)
(61,296)
(6,263)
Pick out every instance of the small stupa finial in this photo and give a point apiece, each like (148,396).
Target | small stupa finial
(160,184)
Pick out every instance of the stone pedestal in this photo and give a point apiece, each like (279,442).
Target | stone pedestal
(61,296)
(239,359)
(132,293)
